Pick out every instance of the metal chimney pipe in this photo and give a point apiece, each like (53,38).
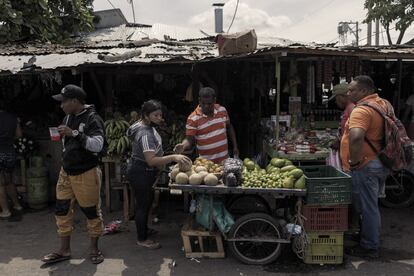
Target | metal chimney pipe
(218,17)
(369,33)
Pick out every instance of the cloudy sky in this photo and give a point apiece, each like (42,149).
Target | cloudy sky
(303,20)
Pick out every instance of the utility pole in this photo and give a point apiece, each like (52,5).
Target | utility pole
(377,32)
(369,33)
(345,27)
(133,9)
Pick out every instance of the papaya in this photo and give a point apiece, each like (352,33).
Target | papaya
(300,183)
(297,173)
(287,168)
(276,162)
(289,182)
(288,162)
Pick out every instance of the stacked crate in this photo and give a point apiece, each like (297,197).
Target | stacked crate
(326,213)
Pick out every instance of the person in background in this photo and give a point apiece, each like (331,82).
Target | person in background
(208,126)
(83,136)
(9,130)
(147,157)
(343,102)
(368,173)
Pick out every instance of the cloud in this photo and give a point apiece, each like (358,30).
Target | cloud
(246,18)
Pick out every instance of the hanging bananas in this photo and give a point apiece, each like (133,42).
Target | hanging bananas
(118,142)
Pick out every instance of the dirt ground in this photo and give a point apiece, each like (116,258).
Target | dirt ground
(24,242)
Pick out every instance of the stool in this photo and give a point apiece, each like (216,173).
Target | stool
(195,241)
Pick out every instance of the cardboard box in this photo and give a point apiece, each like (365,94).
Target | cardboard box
(237,43)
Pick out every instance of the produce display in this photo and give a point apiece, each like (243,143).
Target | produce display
(202,171)
(118,142)
(232,169)
(279,173)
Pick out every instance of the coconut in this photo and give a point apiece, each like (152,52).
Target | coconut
(211,180)
(174,173)
(181,178)
(200,169)
(195,179)
(185,166)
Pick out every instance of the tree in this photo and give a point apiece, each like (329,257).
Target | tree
(389,12)
(44,20)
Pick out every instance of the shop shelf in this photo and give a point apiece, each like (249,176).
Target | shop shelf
(326,218)
(327,186)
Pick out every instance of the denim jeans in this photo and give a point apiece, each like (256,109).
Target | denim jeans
(367,183)
(142,179)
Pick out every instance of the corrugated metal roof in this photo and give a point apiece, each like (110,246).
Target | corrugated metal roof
(157,52)
(131,33)
(161,43)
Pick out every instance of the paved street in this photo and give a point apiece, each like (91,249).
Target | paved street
(23,243)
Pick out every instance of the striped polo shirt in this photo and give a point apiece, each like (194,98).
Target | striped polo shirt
(210,133)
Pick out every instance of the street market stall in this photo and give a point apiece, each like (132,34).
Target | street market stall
(256,237)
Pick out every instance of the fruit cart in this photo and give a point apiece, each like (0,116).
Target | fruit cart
(257,237)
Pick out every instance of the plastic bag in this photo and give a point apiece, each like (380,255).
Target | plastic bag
(334,160)
(223,219)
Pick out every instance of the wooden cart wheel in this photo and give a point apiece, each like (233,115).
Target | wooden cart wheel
(257,234)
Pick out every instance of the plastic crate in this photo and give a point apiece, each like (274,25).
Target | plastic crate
(326,218)
(327,186)
(325,248)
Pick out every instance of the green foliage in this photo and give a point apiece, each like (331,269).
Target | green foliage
(399,13)
(44,20)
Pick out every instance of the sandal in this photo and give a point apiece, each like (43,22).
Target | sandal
(149,244)
(55,258)
(96,258)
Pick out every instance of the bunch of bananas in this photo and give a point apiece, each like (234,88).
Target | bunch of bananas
(118,142)
(177,134)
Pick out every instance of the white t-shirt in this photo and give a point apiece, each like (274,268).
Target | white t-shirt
(410,102)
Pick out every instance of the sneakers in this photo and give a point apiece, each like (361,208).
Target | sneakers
(361,252)
(5,215)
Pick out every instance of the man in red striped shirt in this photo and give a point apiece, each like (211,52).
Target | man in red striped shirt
(207,127)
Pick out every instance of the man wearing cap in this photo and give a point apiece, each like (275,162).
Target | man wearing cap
(339,93)
(82,133)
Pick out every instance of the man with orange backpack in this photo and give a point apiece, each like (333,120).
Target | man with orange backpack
(374,144)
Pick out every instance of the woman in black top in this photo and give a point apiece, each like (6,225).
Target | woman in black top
(147,155)
(9,130)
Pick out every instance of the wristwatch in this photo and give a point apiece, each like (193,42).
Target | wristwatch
(75,133)
(354,164)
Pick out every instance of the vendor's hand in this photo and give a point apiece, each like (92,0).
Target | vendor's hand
(179,158)
(179,148)
(65,130)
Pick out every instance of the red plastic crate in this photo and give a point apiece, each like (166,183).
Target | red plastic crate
(326,218)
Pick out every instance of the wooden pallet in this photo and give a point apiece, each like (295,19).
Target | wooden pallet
(195,243)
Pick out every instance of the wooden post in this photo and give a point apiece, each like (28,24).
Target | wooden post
(277,79)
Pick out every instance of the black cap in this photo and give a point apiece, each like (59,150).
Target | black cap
(70,91)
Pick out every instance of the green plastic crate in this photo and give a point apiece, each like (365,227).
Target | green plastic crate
(327,186)
(325,248)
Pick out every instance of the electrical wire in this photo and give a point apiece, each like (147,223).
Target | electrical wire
(234,16)
(311,13)
(365,38)
(111,4)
